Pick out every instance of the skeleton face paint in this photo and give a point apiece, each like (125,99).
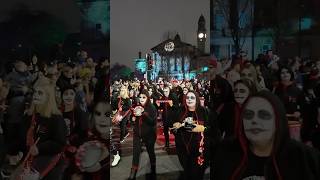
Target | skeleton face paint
(191,100)
(68,96)
(39,96)
(143,99)
(285,75)
(241,93)
(102,119)
(259,121)
(166,92)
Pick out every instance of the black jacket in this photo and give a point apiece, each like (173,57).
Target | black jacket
(52,133)
(296,162)
(146,124)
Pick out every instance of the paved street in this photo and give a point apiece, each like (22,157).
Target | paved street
(168,167)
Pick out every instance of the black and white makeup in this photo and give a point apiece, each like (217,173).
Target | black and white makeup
(285,75)
(166,91)
(102,118)
(68,96)
(150,91)
(185,90)
(143,99)
(191,100)
(39,96)
(259,121)
(241,93)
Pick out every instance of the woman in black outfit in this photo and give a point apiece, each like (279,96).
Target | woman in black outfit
(144,132)
(46,137)
(264,149)
(192,126)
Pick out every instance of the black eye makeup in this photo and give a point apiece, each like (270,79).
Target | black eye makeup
(248,114)
(263,114)
(191,97)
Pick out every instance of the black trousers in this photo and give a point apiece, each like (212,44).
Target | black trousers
(123,127)
(166,124)
(137,145)
(16,137)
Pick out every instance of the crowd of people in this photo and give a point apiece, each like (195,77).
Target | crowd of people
(243,119)
(55,119)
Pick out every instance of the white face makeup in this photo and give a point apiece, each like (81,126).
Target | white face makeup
(39,96)
(150,92)
(241,93)
(191,100)
(102,120)
(68,96)
(143,99)
(259,121)
(246,74)
(285,75)
(185,90)
(166,92)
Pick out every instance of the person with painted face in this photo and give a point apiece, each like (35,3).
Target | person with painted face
(77,122)
(264,149)
(144,129)
(292,97)
(228,120)
(122,104)
(192,127)
(46,136)
(168,103)
(100,133)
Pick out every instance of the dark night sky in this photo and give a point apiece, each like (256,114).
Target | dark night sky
(65,10)
(138,25)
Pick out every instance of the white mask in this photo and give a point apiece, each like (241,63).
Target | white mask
(241,93)
(101,120)
(68,96)
(191,100)
(143,99)
(39,96)
(259,121)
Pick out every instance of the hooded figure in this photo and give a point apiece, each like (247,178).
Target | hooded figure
(264,149)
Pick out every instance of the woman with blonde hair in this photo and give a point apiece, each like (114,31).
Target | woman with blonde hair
(46,136)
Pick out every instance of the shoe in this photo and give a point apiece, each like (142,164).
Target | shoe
(5,174)
(116,159)
(133,174)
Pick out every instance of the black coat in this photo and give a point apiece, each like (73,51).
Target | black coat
(295,162)
(146,124)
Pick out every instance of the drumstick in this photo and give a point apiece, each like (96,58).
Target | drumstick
(29,152)
(290,115)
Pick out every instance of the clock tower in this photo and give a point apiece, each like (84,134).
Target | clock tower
(201,34)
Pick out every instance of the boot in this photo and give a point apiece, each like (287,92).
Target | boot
(133,174)
(153,173)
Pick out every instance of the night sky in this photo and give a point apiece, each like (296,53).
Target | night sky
(65,10)
(139,25)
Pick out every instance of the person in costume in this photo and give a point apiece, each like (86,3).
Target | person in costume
(264,149)
(144,129)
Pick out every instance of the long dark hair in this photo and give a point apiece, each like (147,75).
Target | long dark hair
(146,93)
(280,138)
(199,108)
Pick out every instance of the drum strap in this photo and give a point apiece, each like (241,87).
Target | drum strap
(51,165)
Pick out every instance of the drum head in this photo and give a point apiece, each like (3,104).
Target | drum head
(89,154)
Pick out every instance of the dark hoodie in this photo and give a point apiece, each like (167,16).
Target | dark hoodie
(289,160)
